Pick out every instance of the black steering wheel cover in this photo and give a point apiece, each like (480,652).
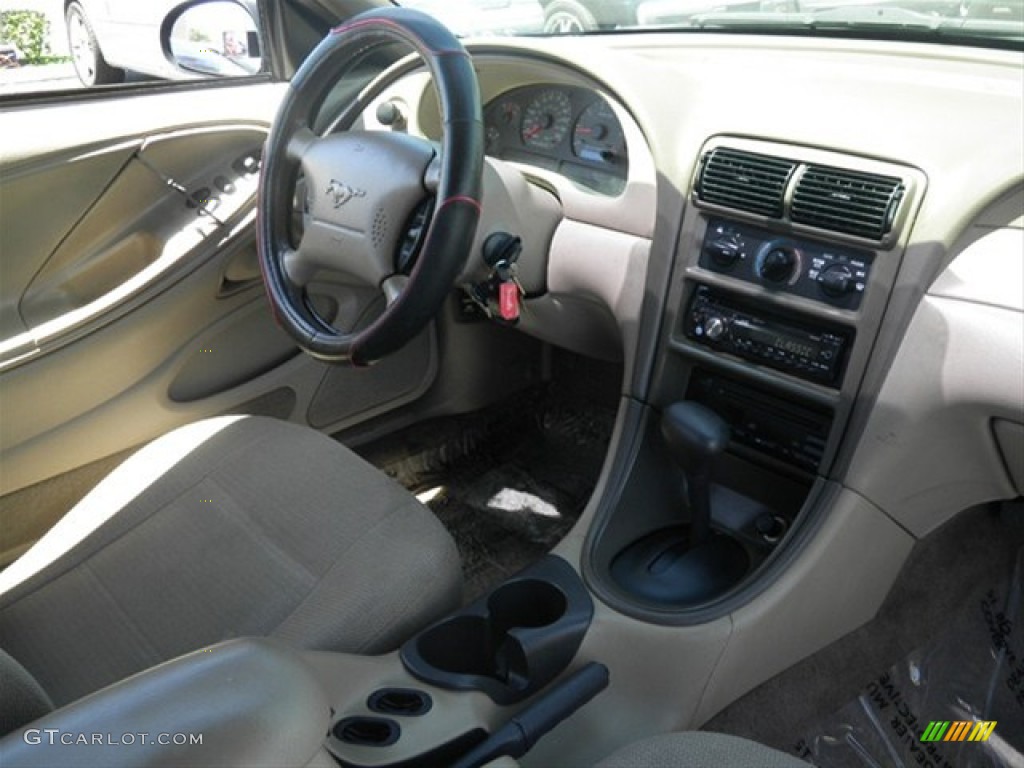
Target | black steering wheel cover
(450,235)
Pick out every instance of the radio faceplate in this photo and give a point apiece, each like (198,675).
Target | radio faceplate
(832,274)
(727,325)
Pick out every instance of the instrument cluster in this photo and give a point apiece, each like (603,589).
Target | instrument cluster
(568,130)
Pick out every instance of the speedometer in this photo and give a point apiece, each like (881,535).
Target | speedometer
(598,135)
(546,120)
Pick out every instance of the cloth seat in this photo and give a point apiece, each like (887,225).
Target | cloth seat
(699,749)
(234,526)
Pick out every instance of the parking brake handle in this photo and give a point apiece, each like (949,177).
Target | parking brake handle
(518,735)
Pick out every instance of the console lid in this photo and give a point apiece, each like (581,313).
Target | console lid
(249,702)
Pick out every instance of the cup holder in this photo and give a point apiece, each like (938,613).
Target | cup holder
(460,646)
(526,603)
(510,643)
(367,731)
(404,702)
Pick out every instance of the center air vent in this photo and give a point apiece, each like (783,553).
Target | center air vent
(744,180)
(861,204)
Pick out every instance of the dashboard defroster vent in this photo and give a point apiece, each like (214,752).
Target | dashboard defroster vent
(744,180)
(855,203)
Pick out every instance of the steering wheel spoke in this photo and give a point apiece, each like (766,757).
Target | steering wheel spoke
(300,143)
(432,177)
(365,189)
(297,267)
(393,287)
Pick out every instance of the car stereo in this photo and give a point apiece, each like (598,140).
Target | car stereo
(725,324)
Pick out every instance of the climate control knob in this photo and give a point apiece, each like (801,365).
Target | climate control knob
(836,281)
(724,250)
(778,264)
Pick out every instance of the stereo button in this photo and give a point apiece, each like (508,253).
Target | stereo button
(715,327)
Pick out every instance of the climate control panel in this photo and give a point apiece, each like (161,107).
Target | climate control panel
(836,275)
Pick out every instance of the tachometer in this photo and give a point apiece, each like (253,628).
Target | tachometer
(504,120)
(510,113)
(598,135)
(546,120)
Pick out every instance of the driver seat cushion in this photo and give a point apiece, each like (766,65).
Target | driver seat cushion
(229,527)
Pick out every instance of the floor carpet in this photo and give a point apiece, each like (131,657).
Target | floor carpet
(508,482)
(941,577)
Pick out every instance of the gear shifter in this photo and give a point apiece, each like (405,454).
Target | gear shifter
(686,565)
(695,436)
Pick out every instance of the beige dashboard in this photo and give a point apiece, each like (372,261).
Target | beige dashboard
(931,406)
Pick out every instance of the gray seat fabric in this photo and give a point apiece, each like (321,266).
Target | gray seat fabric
(255,527)
(699,750)
(22,699)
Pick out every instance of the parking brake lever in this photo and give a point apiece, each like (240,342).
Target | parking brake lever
(518,735)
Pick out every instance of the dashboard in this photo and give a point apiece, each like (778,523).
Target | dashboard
(569,130)
(774,259)
(731,244)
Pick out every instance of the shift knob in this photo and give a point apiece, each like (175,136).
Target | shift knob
(694,435)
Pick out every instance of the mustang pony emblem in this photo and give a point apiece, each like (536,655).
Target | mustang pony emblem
(341,193)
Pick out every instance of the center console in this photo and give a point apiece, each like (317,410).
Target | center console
(785,266)
(443,699)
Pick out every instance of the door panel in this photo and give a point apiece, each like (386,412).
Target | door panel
(173,194)
(67,185)
(129,277)
(243,346)
(116,239)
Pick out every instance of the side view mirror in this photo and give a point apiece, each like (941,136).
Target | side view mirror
(219,38)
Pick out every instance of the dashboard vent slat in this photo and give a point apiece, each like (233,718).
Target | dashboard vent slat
(744,180)
(847,201)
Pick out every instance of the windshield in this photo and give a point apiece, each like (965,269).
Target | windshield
(996,22)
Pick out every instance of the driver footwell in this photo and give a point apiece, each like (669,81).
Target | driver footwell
(510,481)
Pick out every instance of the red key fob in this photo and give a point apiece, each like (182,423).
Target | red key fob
(508,301)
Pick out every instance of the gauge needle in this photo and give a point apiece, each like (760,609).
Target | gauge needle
(532,131)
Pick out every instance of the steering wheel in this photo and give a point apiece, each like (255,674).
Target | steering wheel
(369,192)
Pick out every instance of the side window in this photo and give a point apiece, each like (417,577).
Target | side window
(59,45)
